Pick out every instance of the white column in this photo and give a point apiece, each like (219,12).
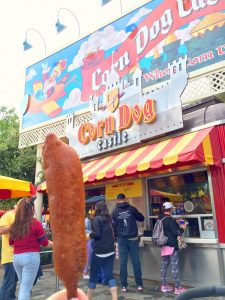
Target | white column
(39,200)
(38,205)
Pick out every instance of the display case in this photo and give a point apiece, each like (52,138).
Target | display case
(189,194)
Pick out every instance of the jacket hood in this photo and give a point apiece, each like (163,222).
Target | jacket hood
(123,205)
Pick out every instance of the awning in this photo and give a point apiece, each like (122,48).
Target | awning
(196,147)
(173,197)
(15,188)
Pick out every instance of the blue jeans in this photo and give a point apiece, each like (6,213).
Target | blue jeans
(26,266)
(8,288)
(125,247)
(106,263)
(89,252)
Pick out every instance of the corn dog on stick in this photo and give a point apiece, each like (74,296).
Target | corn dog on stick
(65,188)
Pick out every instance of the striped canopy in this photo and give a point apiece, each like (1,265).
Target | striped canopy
(15,188)
(197,147)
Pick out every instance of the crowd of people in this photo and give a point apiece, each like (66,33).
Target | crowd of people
(21,230)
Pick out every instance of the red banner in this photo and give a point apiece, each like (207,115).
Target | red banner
(160,23)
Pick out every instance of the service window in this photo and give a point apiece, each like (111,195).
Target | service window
(190,196)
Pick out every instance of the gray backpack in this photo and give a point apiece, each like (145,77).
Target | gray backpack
(158,235)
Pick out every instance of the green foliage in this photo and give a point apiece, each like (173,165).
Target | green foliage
(14,162)
(8,204)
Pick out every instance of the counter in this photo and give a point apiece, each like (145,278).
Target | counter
(196,260)
(148,240)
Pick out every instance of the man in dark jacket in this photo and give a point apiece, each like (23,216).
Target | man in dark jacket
(124,217)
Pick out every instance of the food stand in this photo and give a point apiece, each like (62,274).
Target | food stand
(148,121)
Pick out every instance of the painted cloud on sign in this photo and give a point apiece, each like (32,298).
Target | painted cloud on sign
(105,39)
(141,13)
(73,100)
(31,74)
(183,34)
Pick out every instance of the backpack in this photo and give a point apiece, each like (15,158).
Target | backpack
(158,235)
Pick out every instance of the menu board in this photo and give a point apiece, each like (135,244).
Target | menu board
(130,189)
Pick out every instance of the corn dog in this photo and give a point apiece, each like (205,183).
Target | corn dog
(65,187)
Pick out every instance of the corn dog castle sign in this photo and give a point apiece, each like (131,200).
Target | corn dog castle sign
(111,70)
(127,115)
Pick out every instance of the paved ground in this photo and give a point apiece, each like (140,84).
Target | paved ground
(47,286)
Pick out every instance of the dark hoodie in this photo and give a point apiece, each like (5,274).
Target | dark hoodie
(124,217)
(171,230)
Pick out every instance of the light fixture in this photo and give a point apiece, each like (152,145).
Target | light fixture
(121,7)
(107,1)
(59,26)
(27,46)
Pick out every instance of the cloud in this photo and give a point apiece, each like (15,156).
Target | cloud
(103,40)
(73,100)
(141,13)
(31,74)
(185,33)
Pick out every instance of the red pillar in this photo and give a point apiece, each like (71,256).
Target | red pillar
(218,183)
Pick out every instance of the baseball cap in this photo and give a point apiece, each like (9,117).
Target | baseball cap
(167,205)
(121,197)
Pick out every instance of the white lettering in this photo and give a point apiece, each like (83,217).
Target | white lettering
(167,21)
(196,5)
(181,10)
(154,30)
(141,39)
(212,2)
(94,80)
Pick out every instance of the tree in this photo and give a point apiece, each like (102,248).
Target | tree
(14,162)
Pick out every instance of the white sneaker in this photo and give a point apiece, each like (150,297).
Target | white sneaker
(86,276)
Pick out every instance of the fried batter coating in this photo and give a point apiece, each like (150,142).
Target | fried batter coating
(65,186)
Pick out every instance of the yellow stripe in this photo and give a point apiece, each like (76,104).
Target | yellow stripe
(172,156)
(88,165)
(122,169)
(14,184)
(146,162)
(92,170)
(207,150)
(114,160)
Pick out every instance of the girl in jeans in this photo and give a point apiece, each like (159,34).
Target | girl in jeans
(170,252)
(26,235)
(103,250)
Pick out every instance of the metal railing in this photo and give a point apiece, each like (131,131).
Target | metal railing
(56,277)
(202,292)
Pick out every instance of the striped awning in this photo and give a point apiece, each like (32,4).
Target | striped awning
(195,147)
(15,188)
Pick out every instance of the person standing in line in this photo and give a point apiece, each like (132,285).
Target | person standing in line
(125,217)
(88,226)
(103,251)
(170,252)
(8,288)
(26,235)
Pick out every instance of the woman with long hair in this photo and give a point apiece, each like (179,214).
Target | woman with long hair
(103,250)
(26,235)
